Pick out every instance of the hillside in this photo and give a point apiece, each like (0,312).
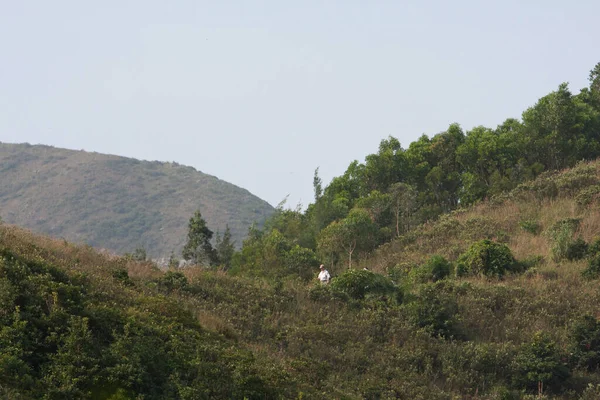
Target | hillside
(117,203)
(78,324)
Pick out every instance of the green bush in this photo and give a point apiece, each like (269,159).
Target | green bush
(301,261)
(576,250)
(435,269)
(591,392)
(531,226)
(359,284)
(171,281)
(121,275)
(587,196)
(487,258)
(561,236)
(594,247)
(435,309)
(323,293)
(593,269)
(530,262)
(585,347)
(539,361)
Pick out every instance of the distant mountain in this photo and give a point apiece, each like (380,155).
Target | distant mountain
(117,203)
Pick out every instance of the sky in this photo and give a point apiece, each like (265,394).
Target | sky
(261,93)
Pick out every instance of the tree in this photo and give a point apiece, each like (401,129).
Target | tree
(173,261)
(139,254)
(357,232)
(595,83)
(225,248)
(317,185)
(404,203)
(198,248)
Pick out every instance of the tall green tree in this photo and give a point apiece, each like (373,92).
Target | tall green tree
(356,233)
(403,199)
(198,248)
(225,248)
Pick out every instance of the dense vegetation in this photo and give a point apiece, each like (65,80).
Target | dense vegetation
(498,301)
(485,291)
(397,189)
(117,203)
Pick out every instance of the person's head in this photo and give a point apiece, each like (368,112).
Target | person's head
(321,267)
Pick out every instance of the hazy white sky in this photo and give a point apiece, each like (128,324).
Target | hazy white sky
(260,93)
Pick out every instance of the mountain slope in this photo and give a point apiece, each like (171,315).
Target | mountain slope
(117,203)
(79,324)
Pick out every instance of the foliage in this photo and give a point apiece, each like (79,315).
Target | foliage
(576,250)
(561,236)
(173,261)
(172,280)
(225,247)
(435,269)
(78,324)
(198,248)
(62,336)
(355,233)
(593,268)
(301,261)
(487,258)
(540,361)
(585,346)
(531,226)
(359,284)
(121,275)
(435,310)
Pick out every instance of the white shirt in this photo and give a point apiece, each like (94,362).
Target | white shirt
(324,276)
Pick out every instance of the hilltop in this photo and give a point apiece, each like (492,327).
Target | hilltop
(117,203)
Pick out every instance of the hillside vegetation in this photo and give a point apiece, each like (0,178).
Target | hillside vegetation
(421,324)
(464,267)
(117,203)
(380,201)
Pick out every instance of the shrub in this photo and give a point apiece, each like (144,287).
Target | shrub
(560,235)
(530,262)
(487,258)
(587,196)
(585,347)
(399,272)
(539,362)
(576,249)
(594,247)
(121,275)
(301,261)
(359,284)
(323,294)
(435,269)
(531,226)
(593,269)
(171,281)
(592,392)
(435,310)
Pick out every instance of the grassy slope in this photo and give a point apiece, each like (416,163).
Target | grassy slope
(305,341)
(117,203)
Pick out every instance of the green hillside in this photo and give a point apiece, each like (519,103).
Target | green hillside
(466,266)
(428,321)
(117,203)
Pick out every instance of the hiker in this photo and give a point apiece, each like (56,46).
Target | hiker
(324,276)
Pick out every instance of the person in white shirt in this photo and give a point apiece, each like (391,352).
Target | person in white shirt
(324,276)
